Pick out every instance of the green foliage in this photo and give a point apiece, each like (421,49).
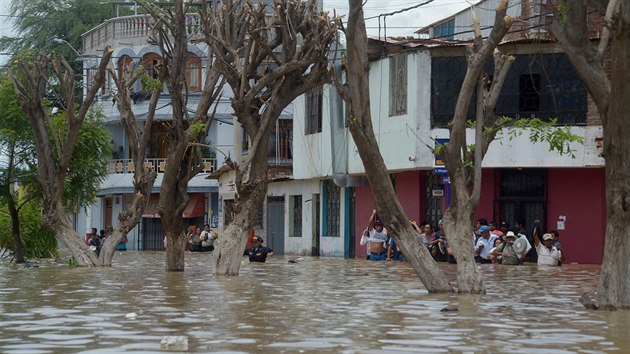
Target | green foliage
(562,12)
(196,130)
(558,138)
(38,22)
(37,242)
(88,167)
(147,82)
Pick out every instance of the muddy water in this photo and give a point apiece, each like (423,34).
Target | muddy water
(314,306)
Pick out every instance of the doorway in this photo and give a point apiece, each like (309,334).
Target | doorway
(275,224)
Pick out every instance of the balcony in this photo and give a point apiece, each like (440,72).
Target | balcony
(129,28)
(128,166)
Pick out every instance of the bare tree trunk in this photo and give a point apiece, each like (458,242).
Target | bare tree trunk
(249,201)
(356,93)
(466,179)
(143,177)
(15,231)
(11,205)
(55,150)
(614,284)
(56,219)
(268,62)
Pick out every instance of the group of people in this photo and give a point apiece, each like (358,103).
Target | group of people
(492,243)
(96,240)
(513,246)
(198,240)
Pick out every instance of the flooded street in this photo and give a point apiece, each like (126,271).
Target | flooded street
(315,306)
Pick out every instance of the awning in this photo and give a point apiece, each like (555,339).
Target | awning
(196,206)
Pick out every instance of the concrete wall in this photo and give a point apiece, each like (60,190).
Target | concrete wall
(578,194)
(405,141)
(297,245)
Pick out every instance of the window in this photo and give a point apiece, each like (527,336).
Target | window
(295,214)
(445,30)
(398,85)
(193,72)
(543,86)
(529,98)
(281,142)
(314,100)
(151,63)
(332,208)
(125,68)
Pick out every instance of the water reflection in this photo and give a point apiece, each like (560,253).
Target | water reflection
(317,305)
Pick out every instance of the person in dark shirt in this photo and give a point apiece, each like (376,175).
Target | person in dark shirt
(258,253)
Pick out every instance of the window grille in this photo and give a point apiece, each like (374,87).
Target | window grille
(397,85)
(314,101)
(333,206)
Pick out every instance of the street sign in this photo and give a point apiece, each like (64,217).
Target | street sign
(441,171)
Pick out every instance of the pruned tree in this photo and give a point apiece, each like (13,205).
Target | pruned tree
(187,132)
(143,176)
(269,58)
(55,147)
(355,92)
(611,93)
(463,165)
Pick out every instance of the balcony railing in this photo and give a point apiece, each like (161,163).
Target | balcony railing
(128,166)
(136,26)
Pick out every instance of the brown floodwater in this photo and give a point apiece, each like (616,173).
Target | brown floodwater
(319,305)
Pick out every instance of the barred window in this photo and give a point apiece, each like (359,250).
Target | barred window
(295,212)
(542,86)
(333,209)
(314,101)
(397,85)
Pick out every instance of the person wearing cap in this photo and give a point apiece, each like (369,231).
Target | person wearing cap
(547,253)
(258,253)
(376,236)
(484,244)
(506,250)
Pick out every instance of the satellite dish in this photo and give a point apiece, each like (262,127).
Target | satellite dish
(520,245)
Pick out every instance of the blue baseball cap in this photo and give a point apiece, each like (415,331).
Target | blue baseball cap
(484,228)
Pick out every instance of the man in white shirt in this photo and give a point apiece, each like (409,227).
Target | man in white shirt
(484,244)
(547,253)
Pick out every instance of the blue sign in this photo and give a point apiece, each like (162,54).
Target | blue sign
(441,171)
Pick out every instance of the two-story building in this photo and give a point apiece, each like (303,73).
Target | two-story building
(414,83)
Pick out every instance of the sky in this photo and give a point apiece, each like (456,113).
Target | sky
(403,24)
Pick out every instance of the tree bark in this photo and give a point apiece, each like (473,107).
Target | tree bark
(356,93)
(466,181)
(267,65)
(183,160)
(229,247)
(54,150)
(614,285)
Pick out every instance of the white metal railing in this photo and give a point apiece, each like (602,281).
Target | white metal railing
(128,166)
(135,26)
